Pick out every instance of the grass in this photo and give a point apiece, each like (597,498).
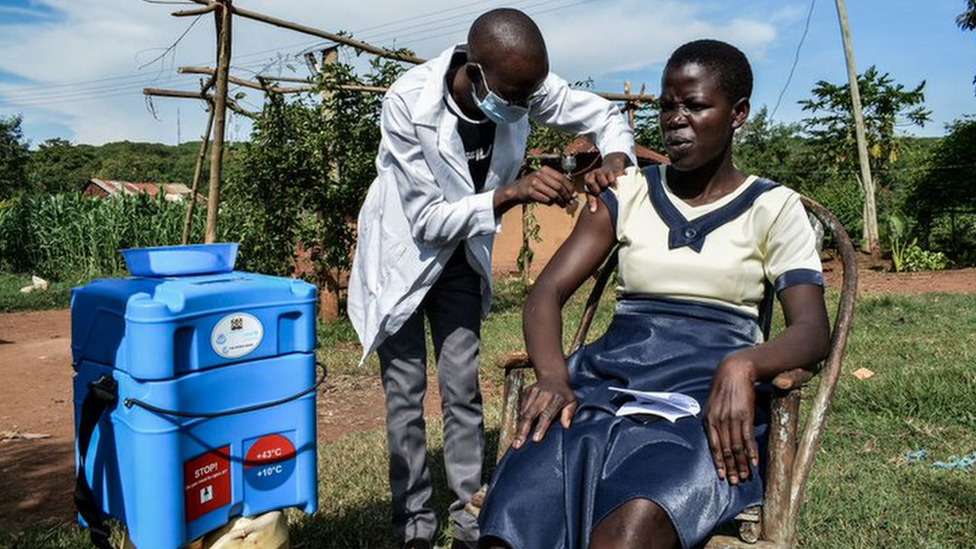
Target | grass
(58,296)
(863,492)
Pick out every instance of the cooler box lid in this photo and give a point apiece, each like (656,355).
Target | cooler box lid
(160,327)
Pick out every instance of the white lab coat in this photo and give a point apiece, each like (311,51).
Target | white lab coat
(423,201)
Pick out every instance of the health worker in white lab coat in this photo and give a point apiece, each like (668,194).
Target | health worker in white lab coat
(454,134)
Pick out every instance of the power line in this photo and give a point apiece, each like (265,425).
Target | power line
(20,89)
(127,92)
(94,91)
(85,90)
(796,58)
(427,26)
(463,26)
(116,86)
(241,58)
(419,31)
(422,16)
(174,44)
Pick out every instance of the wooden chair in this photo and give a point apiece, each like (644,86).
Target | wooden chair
(774,524)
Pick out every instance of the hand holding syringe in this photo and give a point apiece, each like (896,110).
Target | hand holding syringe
(568,164)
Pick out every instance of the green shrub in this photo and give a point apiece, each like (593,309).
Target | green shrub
(917,259)
(955,234)
(898,240)
(844,199)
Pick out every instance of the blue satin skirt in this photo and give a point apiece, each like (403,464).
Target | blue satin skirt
(553,493)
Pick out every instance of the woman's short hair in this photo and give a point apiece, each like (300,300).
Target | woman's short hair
(732,66)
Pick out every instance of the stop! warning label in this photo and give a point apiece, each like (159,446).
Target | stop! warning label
(206,483)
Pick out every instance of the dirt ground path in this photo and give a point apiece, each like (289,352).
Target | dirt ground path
(37,416)
(36,474)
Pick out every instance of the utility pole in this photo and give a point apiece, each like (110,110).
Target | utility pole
(871,239)
(223,15)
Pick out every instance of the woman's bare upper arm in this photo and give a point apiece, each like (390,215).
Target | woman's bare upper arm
(581,254)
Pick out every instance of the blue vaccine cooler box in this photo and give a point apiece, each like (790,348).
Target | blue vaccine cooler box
(194,394)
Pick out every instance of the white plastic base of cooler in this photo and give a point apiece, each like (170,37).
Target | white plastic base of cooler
(266,531)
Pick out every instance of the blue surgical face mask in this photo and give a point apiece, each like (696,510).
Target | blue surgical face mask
(495,108)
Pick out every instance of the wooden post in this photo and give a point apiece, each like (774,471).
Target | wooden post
(871,242)
(196,177)
(630,106)
(328,280)
(526,251)
(220,117)
(231,104)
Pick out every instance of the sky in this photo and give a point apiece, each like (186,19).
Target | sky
(75,69)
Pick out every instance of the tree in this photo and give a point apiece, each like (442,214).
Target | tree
(967,20)
(58,166)
(947,188)
(647,131)
(14,155)
(770,149)
(145,162)
(886,107)
(300,181)
(949,181)
(264,201)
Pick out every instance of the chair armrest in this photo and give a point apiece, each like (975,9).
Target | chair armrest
(792,379)
(515,361)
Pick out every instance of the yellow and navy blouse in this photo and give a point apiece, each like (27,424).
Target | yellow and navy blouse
(725,253)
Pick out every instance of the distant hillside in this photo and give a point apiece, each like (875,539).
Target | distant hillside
(58,166)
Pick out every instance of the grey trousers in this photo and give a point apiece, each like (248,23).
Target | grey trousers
(453,310)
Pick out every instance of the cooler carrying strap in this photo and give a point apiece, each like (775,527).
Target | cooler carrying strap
(102,393)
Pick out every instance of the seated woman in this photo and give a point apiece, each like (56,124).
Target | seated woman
(698,242)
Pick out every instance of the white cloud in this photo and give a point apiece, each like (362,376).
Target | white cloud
(634,35)
(107,40)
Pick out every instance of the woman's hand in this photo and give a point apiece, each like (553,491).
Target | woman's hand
(543,401)
(729,420)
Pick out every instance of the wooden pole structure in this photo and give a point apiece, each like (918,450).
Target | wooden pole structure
(328,280)
(199,11)
(337,38)
(288,79)
(629,106)
(277,89)
(871,240)
(626,97)
(224,10)
(220,118)
(182,94)
(369,48)
(639,98)
(526,252)
(197,170)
